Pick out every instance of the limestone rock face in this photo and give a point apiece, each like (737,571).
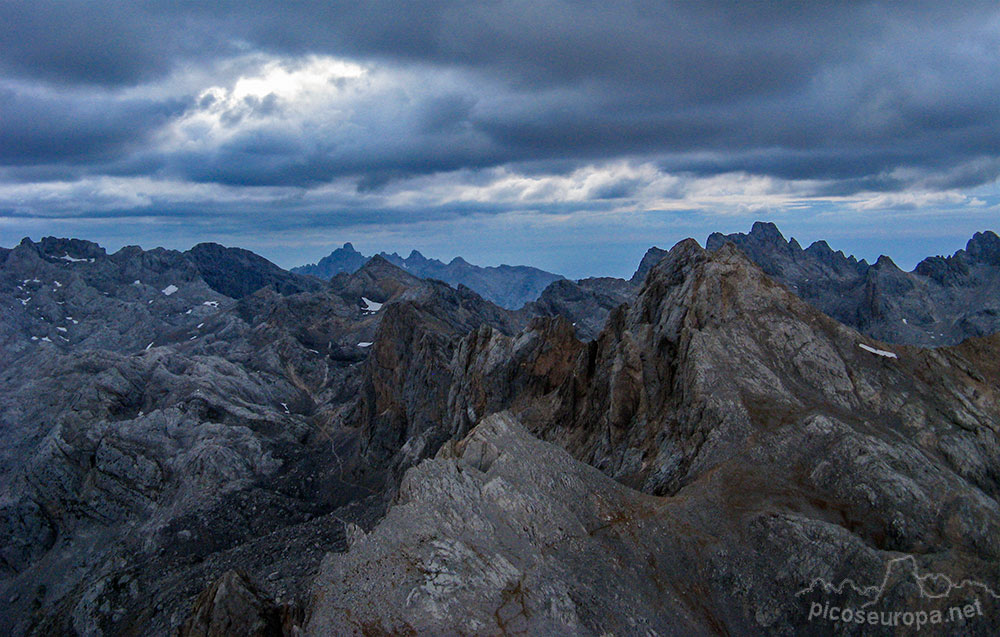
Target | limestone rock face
(403,398)
(585,303)
(710,351)
(232,606)
(502,533)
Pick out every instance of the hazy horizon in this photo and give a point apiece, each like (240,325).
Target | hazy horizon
(621,258)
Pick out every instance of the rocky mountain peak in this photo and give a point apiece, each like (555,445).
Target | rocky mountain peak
(767,232)
(219,450)
(884,262)
(881,299)
(693,286)
(378,265)
(984,247)
(343,259)
(651,258)
(946,271)
(237,273)
(67,249)
(378,280)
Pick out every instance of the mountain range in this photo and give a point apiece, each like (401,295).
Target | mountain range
(943,301)
(201,443)
(507,286)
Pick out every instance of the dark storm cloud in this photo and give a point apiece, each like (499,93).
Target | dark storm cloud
(849,92)
(65,129)
(100,42)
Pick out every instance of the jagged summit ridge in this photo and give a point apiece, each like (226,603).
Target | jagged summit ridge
(944,300)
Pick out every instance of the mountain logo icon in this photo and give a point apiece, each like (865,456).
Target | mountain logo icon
(903,571)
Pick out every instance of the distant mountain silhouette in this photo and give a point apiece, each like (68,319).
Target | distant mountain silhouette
(507,286)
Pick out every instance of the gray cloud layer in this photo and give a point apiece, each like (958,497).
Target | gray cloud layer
(863,96)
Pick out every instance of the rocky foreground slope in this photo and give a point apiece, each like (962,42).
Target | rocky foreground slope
(386,454)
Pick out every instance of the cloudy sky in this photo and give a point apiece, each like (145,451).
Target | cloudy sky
(565,135)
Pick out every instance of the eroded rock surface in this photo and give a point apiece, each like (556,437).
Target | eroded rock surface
(233,606)
(502,533)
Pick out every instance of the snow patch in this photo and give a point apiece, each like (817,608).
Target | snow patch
(879,352)
(46,339)
(364,344)
(285,405)
(370,305)
(211,303)
(137,282)
(170,289)
(150,345)
(904,322)
(62,329)
(66,257)
(58,284)
(199,326)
